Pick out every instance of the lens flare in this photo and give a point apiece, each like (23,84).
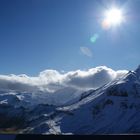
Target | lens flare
(94,38)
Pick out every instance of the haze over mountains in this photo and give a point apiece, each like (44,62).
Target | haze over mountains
(106,101)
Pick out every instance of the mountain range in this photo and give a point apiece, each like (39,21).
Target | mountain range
(113,108)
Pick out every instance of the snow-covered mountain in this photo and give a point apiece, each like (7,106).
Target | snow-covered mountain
(113,108)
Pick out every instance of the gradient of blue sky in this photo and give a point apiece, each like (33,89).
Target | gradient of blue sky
(47,34)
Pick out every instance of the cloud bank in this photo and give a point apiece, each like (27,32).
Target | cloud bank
(54,84)
(52,80)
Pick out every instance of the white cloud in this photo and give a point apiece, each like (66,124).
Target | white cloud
(86,51)
(92,78)
(56,85)
(120,73)
(53,80)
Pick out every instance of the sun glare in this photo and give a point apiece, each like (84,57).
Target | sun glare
(113,17)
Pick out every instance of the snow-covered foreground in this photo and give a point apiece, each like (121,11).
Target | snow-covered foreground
(112,108)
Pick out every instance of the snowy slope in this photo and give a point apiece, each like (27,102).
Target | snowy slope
(111,109)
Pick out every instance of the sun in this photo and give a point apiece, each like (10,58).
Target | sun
(113,17)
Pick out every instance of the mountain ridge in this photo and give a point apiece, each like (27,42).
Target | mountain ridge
(113,108)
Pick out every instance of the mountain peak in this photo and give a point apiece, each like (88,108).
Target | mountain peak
(138,70)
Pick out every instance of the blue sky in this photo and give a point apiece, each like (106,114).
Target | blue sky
(48,34)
